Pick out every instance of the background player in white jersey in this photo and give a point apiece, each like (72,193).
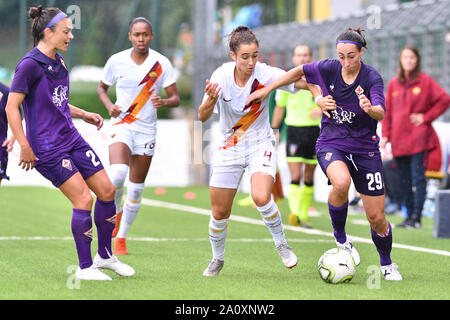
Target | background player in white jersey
(139,74)
(248,142)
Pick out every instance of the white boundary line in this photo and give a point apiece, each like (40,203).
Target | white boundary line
(150,239)
(205,212)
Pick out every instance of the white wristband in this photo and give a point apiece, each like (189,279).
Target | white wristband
(317,98)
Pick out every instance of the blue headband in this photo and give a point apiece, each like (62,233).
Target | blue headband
(55,20)
(359,45)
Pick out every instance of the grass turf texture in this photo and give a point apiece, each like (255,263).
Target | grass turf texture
(170,267)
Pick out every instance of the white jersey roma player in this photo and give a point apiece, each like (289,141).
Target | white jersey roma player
(139,74)
(247,139)
(135,84)
(247,142)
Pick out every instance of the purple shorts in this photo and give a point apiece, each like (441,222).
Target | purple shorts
(81,158)
(3,163)
(366,170)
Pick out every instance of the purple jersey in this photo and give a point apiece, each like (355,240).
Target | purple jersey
(45,81)
(349,129)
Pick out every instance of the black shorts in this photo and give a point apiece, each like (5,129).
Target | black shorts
(301,144)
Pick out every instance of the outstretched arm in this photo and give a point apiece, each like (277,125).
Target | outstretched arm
(89,117)
(293,75)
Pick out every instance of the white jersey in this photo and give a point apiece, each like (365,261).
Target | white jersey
(135,84)
(237,121)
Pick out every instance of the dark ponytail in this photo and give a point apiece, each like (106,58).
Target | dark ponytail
(355,36)
(241,35)
(41,17)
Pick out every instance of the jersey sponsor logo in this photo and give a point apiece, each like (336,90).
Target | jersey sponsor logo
(60,95)
(67,164)
(343,115)
(144,96)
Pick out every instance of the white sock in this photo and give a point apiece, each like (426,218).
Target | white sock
(131,207)
(272,218)
(117,175)
(218,230)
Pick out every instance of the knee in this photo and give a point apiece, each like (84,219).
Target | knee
(261,199)
(108,192)
(377,221)
(341,187)
(84,201)
(220,213)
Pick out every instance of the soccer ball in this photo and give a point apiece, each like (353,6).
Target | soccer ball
(336,266)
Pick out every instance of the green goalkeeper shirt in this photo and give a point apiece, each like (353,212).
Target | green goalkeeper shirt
(298,108)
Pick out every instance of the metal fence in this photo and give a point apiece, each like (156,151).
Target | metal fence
(425,24)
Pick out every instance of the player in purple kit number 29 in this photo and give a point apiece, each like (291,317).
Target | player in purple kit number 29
(348,146)
(55,148)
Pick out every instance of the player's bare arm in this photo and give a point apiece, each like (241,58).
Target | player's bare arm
(375,112)
(173,99)
(293,75)
(102,91)
(89,117)
(27,156)
(206,109)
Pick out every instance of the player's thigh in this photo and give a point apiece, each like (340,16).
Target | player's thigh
(119,153)
(334,164)
(101,185)
(139,166)
(77,191)
(221,201)
(339,176)
(120,144)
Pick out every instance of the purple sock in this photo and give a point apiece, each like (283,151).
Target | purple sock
(105,219)
(82,234)
(338,218)
(384,245)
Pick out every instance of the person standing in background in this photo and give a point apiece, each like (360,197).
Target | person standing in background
(303,117)
(413,101)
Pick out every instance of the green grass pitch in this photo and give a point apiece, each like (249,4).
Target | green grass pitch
(169,248)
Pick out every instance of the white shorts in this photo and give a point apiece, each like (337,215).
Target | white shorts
(140,144)
(228,165)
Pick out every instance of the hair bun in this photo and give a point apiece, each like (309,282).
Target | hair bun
(35,12)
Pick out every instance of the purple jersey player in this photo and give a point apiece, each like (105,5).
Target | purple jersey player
(347,148)
(6,145)
(54,146)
